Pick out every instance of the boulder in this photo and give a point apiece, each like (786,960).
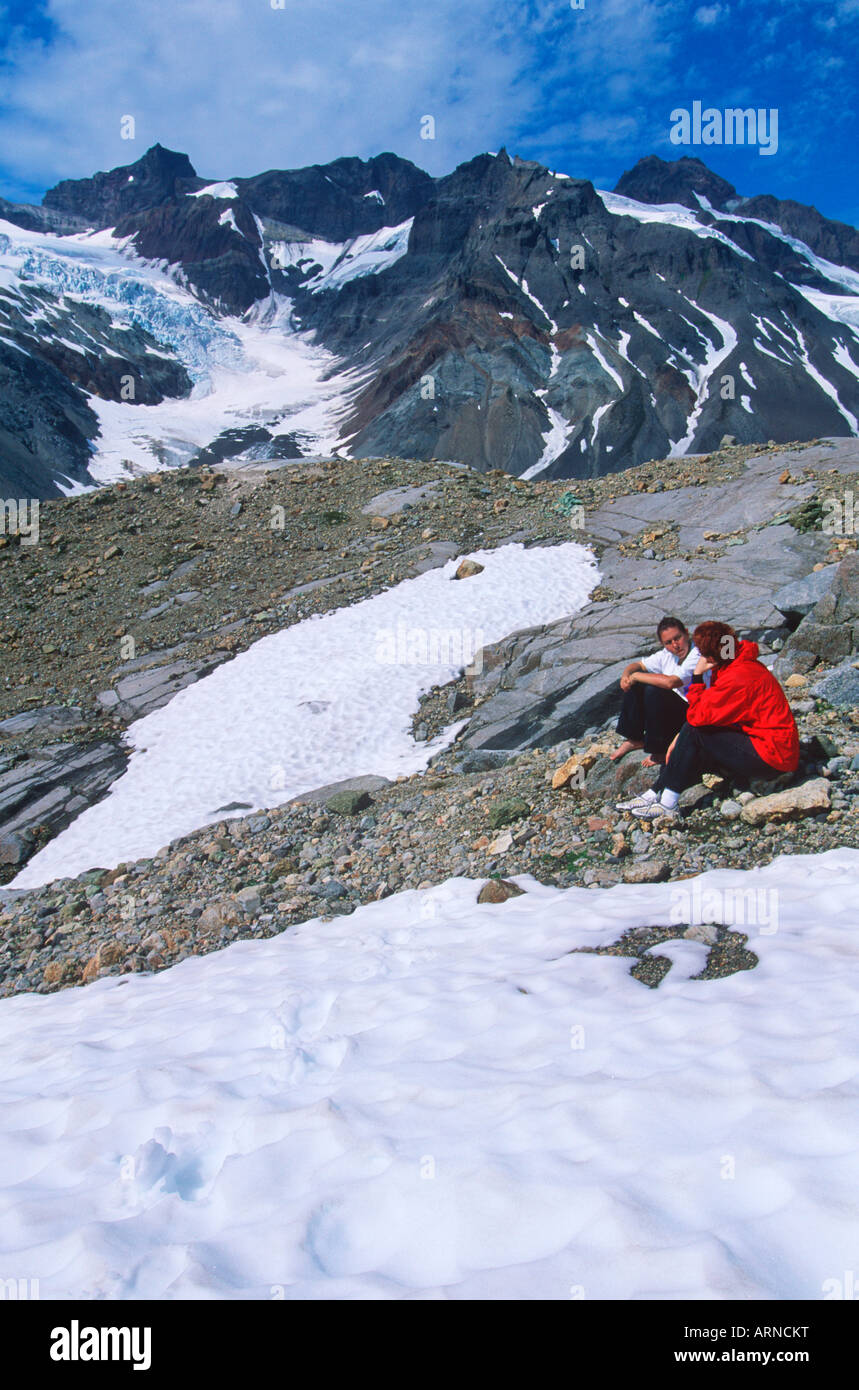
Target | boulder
(799,597)
(830,631)
(367,783)
(619,781)
(839,687)
(808,799)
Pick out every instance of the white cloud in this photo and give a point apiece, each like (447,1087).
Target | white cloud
(708,15)
(242,87)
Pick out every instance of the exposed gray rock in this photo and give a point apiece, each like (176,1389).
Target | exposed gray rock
(368,783)
(840,686)
(51,719)
(50,787)
(809,799)
(144,690)
(830,631)
(396,498)
(801,595)
(541,686)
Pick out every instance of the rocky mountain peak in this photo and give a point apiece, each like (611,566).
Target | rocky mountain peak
(655,180)
(106,197)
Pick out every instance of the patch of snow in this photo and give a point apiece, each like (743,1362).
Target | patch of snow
(704,373)
(522,284)
(245,733)
(600,411)
(645,323)
(785,361)
(223,191)
(228,219)
(827,386)
(841,308)
(554,441)
(603,361)
(364,255)
(392,1105)
(669,214)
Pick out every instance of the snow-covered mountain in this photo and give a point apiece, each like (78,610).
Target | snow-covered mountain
(504,315)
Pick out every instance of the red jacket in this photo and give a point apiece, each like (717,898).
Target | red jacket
(744,693)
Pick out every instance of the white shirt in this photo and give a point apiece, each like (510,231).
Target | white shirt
(664,663)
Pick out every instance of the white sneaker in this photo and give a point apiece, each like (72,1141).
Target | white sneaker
(634,804)
(654,810)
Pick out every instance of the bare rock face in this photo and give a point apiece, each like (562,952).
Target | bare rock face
(830,631)
(809,799)
(107,197)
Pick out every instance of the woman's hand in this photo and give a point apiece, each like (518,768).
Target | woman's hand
(704,664)
(670,749)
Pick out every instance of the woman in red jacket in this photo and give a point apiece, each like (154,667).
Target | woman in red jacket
(741,725)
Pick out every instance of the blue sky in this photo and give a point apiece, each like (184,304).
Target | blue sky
(242,86)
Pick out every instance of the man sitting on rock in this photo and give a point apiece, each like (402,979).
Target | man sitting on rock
(742,726)
(651,714)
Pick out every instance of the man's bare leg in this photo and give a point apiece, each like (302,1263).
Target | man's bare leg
(626,747)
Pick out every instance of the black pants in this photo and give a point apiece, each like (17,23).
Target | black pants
(711,748)
(652,714)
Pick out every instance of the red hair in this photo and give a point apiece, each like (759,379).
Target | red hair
(716,641)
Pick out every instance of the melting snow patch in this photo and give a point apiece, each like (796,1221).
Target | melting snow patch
(223,191)
(244,732)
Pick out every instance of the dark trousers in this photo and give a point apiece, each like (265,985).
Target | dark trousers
(651,714)
(711,748)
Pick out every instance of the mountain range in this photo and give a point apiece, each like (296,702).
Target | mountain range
(503,316)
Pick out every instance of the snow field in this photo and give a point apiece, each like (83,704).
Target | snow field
(328,698)
(432,1098)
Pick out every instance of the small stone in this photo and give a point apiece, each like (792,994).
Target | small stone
(704,932)
(502,843)
(249,900)
(379,523)
(510,809)
(467,568)
(795,681)
(565,773)
(348,803)
(333,889)
(731,810)
(648,871)
(498,890)
(12,849)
